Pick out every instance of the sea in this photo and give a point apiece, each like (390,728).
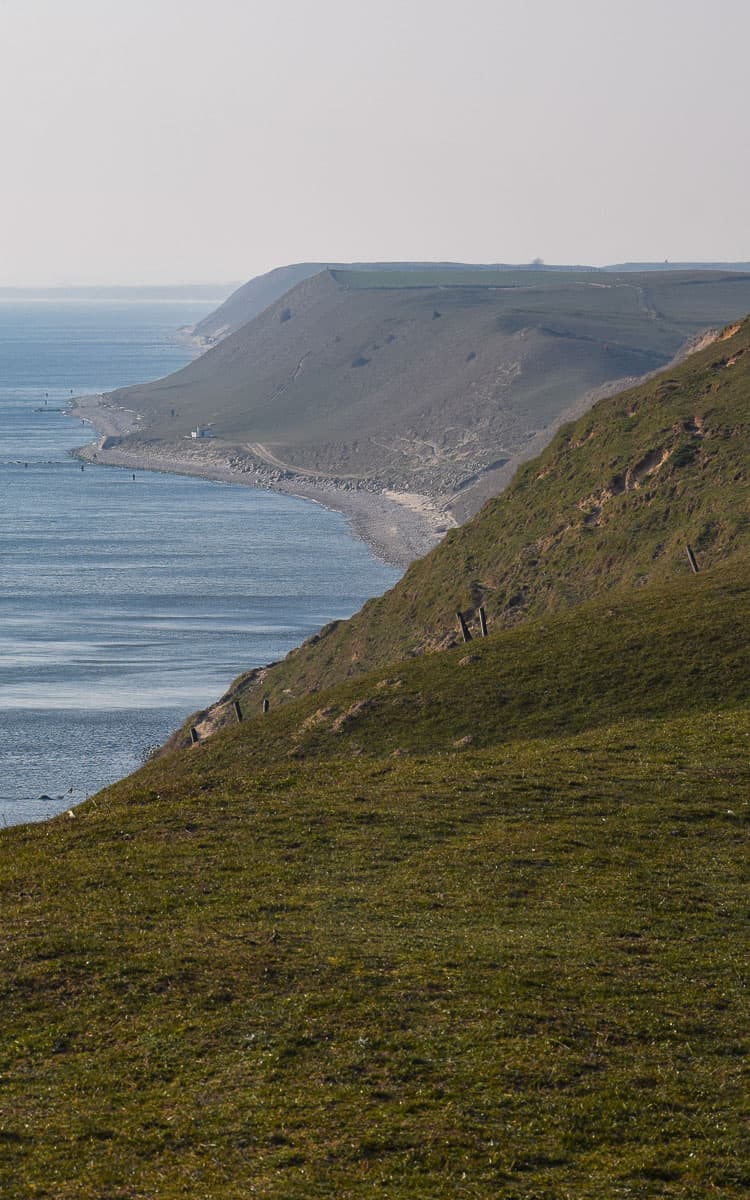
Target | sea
(128,603)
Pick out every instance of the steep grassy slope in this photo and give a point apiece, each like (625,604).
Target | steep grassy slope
(426,387)
(678,647)
(612,502)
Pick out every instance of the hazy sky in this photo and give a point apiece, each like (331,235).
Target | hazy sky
(171,140)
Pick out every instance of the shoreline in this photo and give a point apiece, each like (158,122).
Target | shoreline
(397,526)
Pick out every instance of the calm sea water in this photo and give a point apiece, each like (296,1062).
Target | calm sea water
(125,605)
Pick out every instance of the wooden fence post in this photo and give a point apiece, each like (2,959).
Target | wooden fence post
(463,627)
(483,621)
(266,704)
(692,559)
(237,710)
(193,735)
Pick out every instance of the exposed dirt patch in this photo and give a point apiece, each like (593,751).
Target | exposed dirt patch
(694,425)
(730,332)
(319,717)
(582,441)
(722,364)
(646,466)
(632,477)
(351,714)
(593,517)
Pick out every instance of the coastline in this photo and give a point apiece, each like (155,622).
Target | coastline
(397,526)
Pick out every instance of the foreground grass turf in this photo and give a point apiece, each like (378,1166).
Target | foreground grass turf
(516,972)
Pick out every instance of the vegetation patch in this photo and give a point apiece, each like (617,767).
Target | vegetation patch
(512,972)
(466,923)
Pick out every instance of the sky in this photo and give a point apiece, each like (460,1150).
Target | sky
(171,141)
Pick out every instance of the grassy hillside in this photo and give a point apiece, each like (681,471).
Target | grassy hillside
(679,647)
(470,924)
(611,503)
(513,971)
(430,388)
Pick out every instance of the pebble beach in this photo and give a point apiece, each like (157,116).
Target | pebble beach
(397,526)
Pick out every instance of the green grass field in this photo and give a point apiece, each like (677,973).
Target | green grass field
(469,924)
(451,277)
(518,972)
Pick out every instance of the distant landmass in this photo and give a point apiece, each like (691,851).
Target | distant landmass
(429,378)
(680,266)
(253,297)
(249,300)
